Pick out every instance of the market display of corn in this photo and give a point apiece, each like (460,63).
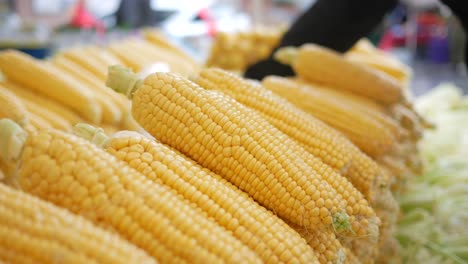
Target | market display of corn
(133,152)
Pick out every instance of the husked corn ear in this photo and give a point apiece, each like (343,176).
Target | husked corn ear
(274,242)
(233,141)
(364,105)
(51,105)
(325,243)
(357,208)
(35,231)
(24,69)
(156,37)
(316,137)
(102,55)
(350,257)
(366,53)
(313,134)
(111,113)
(319,64)
(90,63)
(11,107)
(157,54)
(124,52)
(77,175)
(50,117)
(369,135)
(37,122)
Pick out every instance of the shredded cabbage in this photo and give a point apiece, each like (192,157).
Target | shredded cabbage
(434,223)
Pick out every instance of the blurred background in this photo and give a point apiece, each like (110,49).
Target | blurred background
(421,33)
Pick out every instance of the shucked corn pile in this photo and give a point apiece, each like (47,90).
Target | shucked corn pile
(235,51)
(217,169)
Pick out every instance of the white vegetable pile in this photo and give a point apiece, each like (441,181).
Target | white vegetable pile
(434,224)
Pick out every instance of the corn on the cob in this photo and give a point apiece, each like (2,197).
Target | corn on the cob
(370,136)
(111,113)
(366,53)
(90,63)
(315,136)
(325,243)
(234,142)
(37,122)
(105,57)
(157,54)
(90,80)
(364,105)
(23,69)
(75,174)
(134,60)
(35,231)
(51,105)
(357,206)
(322,65)
(159,39)
(50,117)
(350,258)
(11,107)
(229,206)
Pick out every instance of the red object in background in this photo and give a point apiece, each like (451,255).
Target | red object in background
(206,16)
(82,18)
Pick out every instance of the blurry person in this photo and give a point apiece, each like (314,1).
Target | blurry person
(338,25)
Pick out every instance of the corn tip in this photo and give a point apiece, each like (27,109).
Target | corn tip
(12,139)
(122,80)
(91,133)
(286,55)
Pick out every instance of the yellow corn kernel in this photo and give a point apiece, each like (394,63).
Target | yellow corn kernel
(35,231)
(25,70)
(325,243)
(77,175)
(229,206)
(233,141)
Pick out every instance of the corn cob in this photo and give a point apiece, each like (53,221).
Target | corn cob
(23,69)
(315,136)
(37,122)
(75,174)
(90,63)
(51,105)
(135,60)
(157,54)
(111,114)
(157,38)
(319,64)
(50,117)
(357,206)
(11,107)
(325,243)
(370,136)
(89,79)
(225,137)
(105,57)
(365,52)
(35,231)
(364,105)
(350,258)
(229,206)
